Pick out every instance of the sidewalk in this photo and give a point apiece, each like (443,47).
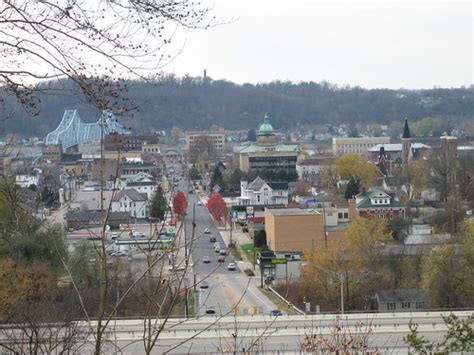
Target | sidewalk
(239,238)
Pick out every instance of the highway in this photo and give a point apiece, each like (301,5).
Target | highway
(284,334)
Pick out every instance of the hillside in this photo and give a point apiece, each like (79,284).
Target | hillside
(194,103)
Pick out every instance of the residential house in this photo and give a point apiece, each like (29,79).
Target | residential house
(25,180)
(377,203)
(310,168)
(141,182)
(398,300)
(260,192)
(130,200)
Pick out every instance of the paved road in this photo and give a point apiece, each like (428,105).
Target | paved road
(385,332)
(229,291)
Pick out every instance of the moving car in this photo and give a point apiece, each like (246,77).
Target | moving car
(231,266)
(207,231)
(199,203)
(217,248)
(210,310)
(221,258)
(206,259)
(222,252)
(203,284)
(212,239)
(275,313)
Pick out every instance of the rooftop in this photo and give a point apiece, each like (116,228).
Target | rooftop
(132,194)
(400,295)
(396,147)
(253,148)
(293,212)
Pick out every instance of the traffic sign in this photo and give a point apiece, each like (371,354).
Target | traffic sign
(279,261)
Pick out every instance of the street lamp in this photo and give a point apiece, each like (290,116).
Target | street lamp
(338,277)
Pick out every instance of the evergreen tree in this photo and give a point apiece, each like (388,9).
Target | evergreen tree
(159,205)
(352,189)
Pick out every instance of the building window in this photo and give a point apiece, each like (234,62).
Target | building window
(405,304)
(391,306)
(258,198)
(346,215)
(339,215)
(419,305)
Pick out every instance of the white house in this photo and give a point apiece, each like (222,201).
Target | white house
(141,182)
(130,200)
(259,192)
(26,180)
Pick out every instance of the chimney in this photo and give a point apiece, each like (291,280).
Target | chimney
(353,214)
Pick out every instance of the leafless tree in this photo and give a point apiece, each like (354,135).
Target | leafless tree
(88,47)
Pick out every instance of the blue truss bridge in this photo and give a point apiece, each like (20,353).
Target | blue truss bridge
(72,131)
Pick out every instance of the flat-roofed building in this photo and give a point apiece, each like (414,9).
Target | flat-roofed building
(358,145)
(294,229)
(216,139)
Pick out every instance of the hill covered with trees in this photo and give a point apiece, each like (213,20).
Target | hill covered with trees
(197,103)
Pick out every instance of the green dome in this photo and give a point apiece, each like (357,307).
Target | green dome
(266,128)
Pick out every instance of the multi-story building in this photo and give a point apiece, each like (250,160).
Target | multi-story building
(216,139)
(52,152)
(131,146)
(267,153)
(359,145)
(294,229)
(259,192)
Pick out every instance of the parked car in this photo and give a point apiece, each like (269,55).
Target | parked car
(231,266)
(118,253)
(206,259)
(221,258)
(212,239)
(210,310)
(203,284)
(222,252)
(199,203)
(207,231)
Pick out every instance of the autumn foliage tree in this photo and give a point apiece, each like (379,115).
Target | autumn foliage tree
(180,204)
(217,207)
(352,167)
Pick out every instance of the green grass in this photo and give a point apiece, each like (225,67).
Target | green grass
(279,303)
(248,250)
(235,253)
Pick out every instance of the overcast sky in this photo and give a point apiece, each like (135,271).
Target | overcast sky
(391,44)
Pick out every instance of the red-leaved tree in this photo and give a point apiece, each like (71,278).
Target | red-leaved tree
(180,204)
(217,207)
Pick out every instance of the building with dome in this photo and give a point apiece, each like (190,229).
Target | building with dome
(267,152)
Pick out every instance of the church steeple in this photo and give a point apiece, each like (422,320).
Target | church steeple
(406,130)
(406,148)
